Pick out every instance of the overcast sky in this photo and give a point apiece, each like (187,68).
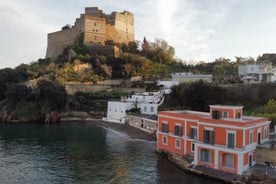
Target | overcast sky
(199,30)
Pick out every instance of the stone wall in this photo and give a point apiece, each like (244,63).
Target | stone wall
(266,154)
(72,88)
(95,30)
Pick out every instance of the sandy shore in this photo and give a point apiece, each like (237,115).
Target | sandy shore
(132,132)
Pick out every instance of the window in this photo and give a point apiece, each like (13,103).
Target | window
(165,140)
(205,156)
(265,133)
(177,144)
(95,24)
(193,147)
(151,109)
(250,137)
(216,114)
(177,130)
(230,140)
(145,109)
(193,133)
(165,128)
(225,114)
(95,37)
(239,115)
(227,160)
(209,137)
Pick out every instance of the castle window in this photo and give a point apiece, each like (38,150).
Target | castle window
(95,24)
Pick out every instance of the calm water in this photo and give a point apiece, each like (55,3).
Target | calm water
(81,153)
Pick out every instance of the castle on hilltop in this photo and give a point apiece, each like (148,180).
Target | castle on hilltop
(96,27)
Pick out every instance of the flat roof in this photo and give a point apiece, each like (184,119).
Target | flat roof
(206,115)
(227,106)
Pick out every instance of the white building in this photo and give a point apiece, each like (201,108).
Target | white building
(147,102)
(166,85)
(189,77)
(257,73)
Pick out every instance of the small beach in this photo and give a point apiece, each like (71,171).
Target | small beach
(130,131)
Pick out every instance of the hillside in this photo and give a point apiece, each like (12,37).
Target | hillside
(23,99)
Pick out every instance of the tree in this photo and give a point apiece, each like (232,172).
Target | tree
(267,58)
(17,93)
(270,106)
(9,76)
(51,95)
(197,95)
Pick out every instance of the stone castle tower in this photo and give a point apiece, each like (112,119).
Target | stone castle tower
(97,27)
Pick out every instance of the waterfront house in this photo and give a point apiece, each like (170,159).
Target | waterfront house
(146,123)
(221,139)
(147,103)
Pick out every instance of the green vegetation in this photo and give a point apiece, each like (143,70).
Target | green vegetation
(93,101)
(268,110)
(257,99)
(149,60)
(32,104)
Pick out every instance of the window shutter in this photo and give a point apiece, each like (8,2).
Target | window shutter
(212,137)
(205,136)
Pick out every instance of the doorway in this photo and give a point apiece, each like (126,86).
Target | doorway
(259,138)
(250,160)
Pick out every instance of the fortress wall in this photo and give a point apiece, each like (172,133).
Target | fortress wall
(59,40)
(124,26)
(111,33)
(94,11)
(121,32)
(95,30)
(102,50)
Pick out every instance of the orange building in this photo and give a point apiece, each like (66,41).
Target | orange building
(222,139)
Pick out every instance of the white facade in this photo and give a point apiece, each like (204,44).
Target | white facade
(167,85)
(148,108)
(147,102)
(257,73)
(189,77)
(116,110)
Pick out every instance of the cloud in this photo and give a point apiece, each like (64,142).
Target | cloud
(198,30)
(23,36)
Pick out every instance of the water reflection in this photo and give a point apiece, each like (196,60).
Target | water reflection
(81,153)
